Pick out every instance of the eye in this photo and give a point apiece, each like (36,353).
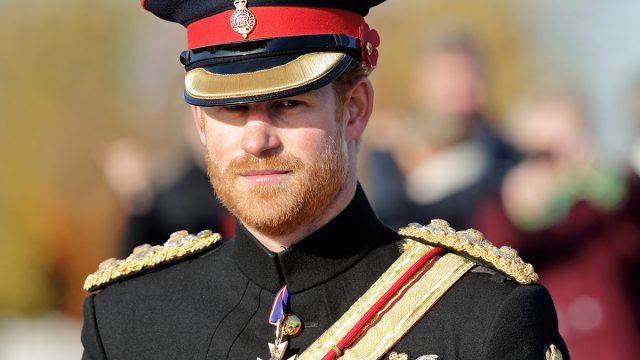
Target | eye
(288,103)
(235,108)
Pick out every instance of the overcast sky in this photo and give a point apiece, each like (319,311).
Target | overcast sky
(600,42)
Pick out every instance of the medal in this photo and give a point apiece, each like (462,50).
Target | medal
(286,325)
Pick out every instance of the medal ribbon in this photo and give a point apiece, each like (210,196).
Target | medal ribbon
(279,306)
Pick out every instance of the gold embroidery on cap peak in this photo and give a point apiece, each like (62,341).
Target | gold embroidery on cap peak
(242,20)
(473,243)
(201,84)
(180,244)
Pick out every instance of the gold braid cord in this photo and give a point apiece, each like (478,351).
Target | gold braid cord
(472,243)
(416,297)
(145,257)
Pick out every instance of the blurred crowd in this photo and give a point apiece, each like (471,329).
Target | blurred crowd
(534,181)
(534,178)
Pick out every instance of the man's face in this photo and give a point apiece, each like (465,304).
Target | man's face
(277,164)
(449,85)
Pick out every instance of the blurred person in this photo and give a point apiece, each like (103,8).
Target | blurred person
(154,212)
(442,158)
(126,166)
(280,97)
(632,172)
(633,168)
(564,209)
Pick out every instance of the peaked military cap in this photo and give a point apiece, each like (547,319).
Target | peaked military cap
(242,51)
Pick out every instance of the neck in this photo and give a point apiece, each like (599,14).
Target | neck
(282,242)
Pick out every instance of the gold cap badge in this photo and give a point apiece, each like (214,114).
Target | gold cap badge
(242,20)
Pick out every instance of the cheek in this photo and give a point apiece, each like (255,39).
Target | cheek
(220,144)
(310,143)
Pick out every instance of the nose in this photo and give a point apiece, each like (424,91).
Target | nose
(259,135)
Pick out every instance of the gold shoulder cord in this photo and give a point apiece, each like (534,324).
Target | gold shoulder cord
(410,304)
(420,293)
(145,257)
(472,243)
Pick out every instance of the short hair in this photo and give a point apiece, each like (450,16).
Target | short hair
(354,73)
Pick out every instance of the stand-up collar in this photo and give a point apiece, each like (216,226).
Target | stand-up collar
(315,259)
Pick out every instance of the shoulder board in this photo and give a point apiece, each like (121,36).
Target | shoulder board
(472,244)
(145,257)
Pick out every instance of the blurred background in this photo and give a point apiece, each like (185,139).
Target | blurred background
(521,119)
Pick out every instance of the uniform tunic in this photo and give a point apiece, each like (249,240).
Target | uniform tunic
(217,305)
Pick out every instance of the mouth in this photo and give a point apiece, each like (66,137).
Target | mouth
(265,176)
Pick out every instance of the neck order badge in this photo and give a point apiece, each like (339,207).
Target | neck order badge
(286,325)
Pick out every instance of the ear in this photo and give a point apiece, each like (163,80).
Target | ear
(198,118)
(358,107)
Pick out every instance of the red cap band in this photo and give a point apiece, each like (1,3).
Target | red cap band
(275,21)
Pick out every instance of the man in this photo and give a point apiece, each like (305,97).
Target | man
(446,159)
(280,98)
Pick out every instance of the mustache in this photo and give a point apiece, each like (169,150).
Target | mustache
(249,162)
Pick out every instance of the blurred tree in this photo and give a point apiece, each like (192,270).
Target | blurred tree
(58,90)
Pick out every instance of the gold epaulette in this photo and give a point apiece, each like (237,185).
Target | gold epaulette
(471,243)
(145,257)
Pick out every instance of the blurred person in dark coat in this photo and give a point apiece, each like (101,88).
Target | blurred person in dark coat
(633,161)
(186,203)
(442,158)
(154,211)
(632,202)
(565,210)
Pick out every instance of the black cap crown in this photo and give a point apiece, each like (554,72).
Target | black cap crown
(255,50)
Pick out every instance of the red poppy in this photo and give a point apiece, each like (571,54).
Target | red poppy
(370,40)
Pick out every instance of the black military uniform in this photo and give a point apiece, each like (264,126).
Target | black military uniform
(216,305)
(198,297)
